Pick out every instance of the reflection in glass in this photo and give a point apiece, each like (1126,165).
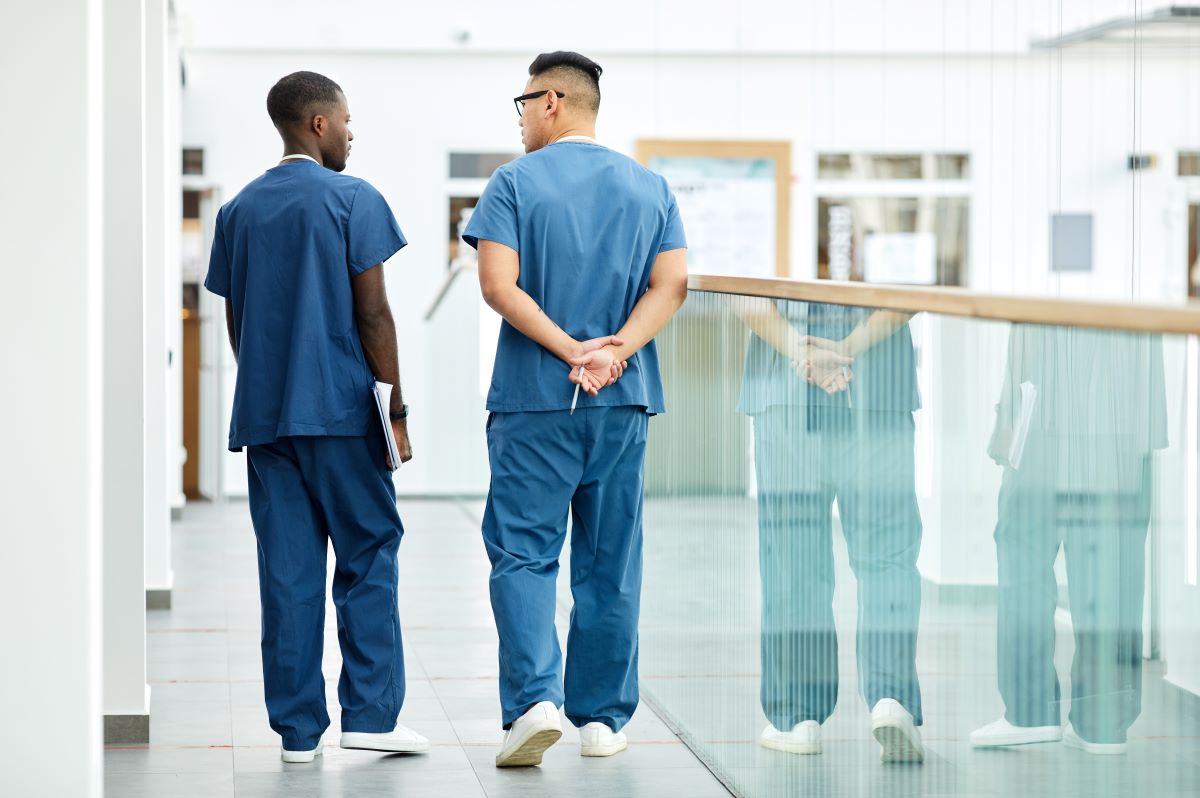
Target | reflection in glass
(831,391)
(784,543)
(1079,417)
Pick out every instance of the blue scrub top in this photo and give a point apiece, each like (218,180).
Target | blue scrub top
(885,376)
(588,224)
(284,250)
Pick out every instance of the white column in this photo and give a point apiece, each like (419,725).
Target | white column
(50,55)
(173,270)
(158,462)
(126,705)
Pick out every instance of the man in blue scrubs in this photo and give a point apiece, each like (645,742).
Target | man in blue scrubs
(297,255)
(575,242)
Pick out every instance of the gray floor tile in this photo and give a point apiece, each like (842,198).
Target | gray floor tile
(368,779)
(208,716)
(175,785)
(266,759)
(168,759)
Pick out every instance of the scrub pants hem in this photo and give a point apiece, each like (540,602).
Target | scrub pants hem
(579,722)
(301,744)
(364,727)
(507,722)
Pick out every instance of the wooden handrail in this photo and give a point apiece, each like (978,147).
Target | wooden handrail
(1183,318)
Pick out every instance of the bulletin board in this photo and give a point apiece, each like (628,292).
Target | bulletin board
(734,199)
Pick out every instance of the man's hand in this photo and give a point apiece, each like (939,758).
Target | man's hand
(827,368)
(403,445)
(583,358)
(600,369)
(828,345)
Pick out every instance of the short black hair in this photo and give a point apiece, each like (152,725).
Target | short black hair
(577,66)
(294,94)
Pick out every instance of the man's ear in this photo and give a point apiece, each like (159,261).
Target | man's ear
(319,124)
(552,103)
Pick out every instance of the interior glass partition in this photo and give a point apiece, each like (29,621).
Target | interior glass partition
(977,519)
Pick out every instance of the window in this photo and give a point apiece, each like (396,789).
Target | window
(193,161)
(893,218)
(1189,164)
(848,166)
(478,164)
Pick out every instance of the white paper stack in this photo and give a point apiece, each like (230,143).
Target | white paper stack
(1029,394)
(383,401)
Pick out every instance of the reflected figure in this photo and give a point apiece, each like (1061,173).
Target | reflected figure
(832,392)
(1079,417)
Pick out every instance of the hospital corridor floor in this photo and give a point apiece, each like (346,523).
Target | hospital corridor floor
(208,725)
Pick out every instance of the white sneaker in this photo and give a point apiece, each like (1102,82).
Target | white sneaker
(529,736)
(299,757)
(596,739)
(893,727)
(1071,739)
(1001,732)
(804,738)
(400,740)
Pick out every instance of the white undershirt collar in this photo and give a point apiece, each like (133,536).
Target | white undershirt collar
(299,156)
(582,139)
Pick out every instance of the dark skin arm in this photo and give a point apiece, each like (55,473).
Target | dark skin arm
(230,328)
(377,330)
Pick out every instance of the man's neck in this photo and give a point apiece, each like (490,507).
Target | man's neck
(583,131)
(298,148)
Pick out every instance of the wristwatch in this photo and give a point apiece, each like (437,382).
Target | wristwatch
(401,416)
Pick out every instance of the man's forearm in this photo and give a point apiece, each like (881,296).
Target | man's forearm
(649,316)
(522,312)
(378,335)
(876,327)
(764,320)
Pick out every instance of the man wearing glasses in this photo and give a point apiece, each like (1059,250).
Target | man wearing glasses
(575,242)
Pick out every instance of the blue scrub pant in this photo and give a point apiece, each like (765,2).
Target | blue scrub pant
(1090,497)
(544,464)
(805,457)
(305,491)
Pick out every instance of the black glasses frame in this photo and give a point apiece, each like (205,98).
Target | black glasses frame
(519,102)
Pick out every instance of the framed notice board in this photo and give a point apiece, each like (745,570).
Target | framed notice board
(734,199)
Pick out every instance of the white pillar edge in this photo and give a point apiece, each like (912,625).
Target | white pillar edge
(157,467)
(50,465)
(125,696)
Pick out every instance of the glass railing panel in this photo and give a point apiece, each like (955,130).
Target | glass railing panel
(866,519)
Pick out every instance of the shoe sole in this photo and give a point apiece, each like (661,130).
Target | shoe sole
(1027,739)
(803,749)
(897,746)
(530,751)
(1095,749)
(603,750)
(368,745)
(300,757)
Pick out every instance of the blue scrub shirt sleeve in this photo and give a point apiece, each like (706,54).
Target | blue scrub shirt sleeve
(372,232)
(673,237)
(218,280)
(495,217)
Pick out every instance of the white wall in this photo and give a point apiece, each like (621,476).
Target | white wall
(1043,135)
(645,26)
